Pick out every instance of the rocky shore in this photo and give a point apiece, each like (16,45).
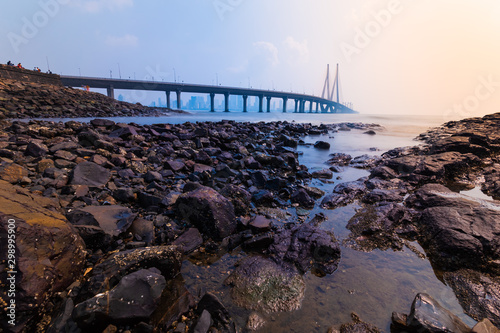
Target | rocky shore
(21,100)
(107,212)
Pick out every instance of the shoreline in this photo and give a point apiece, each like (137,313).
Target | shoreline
(140,199)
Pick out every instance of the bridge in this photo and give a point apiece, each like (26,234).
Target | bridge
(324,104)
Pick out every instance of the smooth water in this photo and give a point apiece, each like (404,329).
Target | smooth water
(373,284)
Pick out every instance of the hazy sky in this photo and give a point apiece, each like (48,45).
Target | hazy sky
(396,56)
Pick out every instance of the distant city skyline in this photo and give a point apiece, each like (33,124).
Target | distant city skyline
(396,56)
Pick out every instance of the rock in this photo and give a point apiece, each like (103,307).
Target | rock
(12,172)
(88,173)
(383,195)
(456,232)
(240,198)
(427,315)
(477,293)
(255,322)
(343,194)
(222,321)
(339,159)
(113,219)
(323,174)
(189,241)
(49,253)
(365,162)
(109,272)
(370,132)
(102,122)
(44,164)
(151,176)
(143,230)
(263,198)
(134,298)
(260,224)
(262,285)
(307,246)
(302,198)
(124,194)
(36,149)
(358,326)
(209,211)
(485,326)
(204,323)
(322,145)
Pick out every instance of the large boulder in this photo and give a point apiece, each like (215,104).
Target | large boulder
(134,298)
(89,173)
(209,211)
(457,232)
(49,254)
(263,285)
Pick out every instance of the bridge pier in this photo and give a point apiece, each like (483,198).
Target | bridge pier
(284,104)
(296,105)
(260,103)
(317,107)
(310,106)
(302,106)
(212,102)
(245,97)
(168,99)
(179,101)
(226,102)
(268,98)
(111,92)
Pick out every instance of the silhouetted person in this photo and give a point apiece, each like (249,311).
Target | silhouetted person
(19,65)
(10,63)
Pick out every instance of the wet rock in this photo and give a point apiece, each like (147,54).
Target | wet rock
(143,230)
(124,194)
(322,145)
(323,174)
(109,272)
(49,253)
(456,232)
(209,211)
(307,246)
(263,198)
(339,159)
(134,298)
(365,162)
(260,223)
(358,326)
(113,219)
(261,284)
(383,195)
(189,241)
(221,319)
(255,322)
(88,173)
(204,322)
(302,198)
(240,198)
(98,122)
(427,315)
(343,194)
(461,144)
(478,293)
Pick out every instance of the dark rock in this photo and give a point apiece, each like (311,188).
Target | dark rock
(323,174)
(88,173)
(381,195)
(134,298)
(36,149)
(477,293)
(209,211)
(124,194)
(339,159)
(189,241)
(456,232)
(109,272)
(427,315)
(322,145)
(365,162)
(307,246)
(218,313)
(261,284)
(302,198)
(240,198)
(260,223)
(102,122)
(143,230)
(263,198)
(113,220)
(343,194)
(148,200)
(204,322)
